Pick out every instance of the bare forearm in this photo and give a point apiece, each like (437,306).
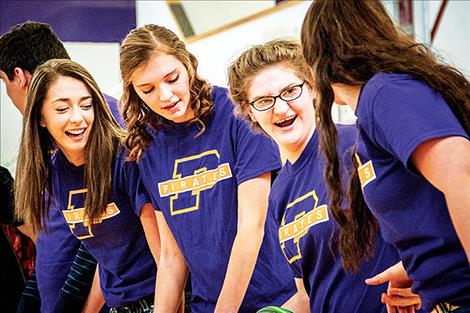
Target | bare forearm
(240,269)
(458,203)
(95,300)
(171,279)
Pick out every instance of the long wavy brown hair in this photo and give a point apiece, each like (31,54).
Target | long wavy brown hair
(347,42)
(137,49)
(33,170)
(283,52)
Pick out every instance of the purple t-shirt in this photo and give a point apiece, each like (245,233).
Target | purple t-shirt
(56,247)
(117,241)
(395,115)
(194,182)
(299,203)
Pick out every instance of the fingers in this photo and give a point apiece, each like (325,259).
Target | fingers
(402,292)
(401,301)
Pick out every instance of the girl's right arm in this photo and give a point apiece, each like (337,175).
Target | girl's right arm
(172,271)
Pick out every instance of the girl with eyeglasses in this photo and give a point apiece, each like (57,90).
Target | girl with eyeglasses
(412,163)
(209,179)
(272,88)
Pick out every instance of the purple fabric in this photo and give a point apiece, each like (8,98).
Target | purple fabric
(299,204)
(395,115)
(117,241)
(203,213)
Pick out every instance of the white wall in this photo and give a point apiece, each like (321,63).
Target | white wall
(222,12)
(452,40)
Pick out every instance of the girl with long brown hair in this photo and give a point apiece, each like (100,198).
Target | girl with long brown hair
(71,148)
(412,160)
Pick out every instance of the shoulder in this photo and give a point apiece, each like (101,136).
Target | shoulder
(221,99)
(347,139)
(347,134)
(394,86)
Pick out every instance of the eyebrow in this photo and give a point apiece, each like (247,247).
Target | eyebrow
(68,99)
(169,74)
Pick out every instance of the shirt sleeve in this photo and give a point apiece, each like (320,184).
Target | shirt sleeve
(133,185)
(406,113)
(256,154)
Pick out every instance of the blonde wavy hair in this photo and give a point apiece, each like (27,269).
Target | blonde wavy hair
(283,52)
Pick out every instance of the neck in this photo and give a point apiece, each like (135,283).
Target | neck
(347,94)
(75,159)
(293,153)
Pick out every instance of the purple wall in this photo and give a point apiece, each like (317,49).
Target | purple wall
(88,21)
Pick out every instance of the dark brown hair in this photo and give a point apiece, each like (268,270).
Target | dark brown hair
(33,170)
(347,42)
(137,49)
(27,46)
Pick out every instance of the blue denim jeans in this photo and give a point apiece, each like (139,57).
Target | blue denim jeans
(144,305)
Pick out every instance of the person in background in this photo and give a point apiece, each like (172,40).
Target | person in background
(12,247)
(272,88)
(412,161)
(202,168)
(68,130)
(22,49)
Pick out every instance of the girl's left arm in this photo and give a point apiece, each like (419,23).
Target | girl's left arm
(445,163)
(252,208)
(150,226)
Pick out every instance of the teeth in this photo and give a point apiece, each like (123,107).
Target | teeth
(285,119)
(76,131)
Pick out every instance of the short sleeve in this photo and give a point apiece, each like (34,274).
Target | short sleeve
(256,154)
(405,113)
(133,185)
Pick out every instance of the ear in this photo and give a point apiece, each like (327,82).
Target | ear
(23,77)
(250,113)
(42,123)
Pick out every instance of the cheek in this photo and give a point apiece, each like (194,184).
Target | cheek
(90,117)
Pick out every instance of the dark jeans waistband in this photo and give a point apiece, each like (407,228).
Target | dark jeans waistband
(143,305)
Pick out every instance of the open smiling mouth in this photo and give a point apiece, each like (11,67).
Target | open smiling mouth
(285,122)
(75,132)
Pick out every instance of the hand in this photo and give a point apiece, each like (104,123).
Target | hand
(399,297)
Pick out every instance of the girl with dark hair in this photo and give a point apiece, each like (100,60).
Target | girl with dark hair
(273,89)
(412,160)
(209,179)
(89,179)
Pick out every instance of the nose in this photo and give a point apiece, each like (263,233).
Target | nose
(280,106)
(76,114)
(165,93)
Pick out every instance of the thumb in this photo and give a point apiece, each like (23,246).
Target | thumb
(395,272)
(380,278)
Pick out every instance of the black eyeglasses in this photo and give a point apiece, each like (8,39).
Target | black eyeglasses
(289,94)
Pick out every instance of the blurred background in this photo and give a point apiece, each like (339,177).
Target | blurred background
(215,31)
